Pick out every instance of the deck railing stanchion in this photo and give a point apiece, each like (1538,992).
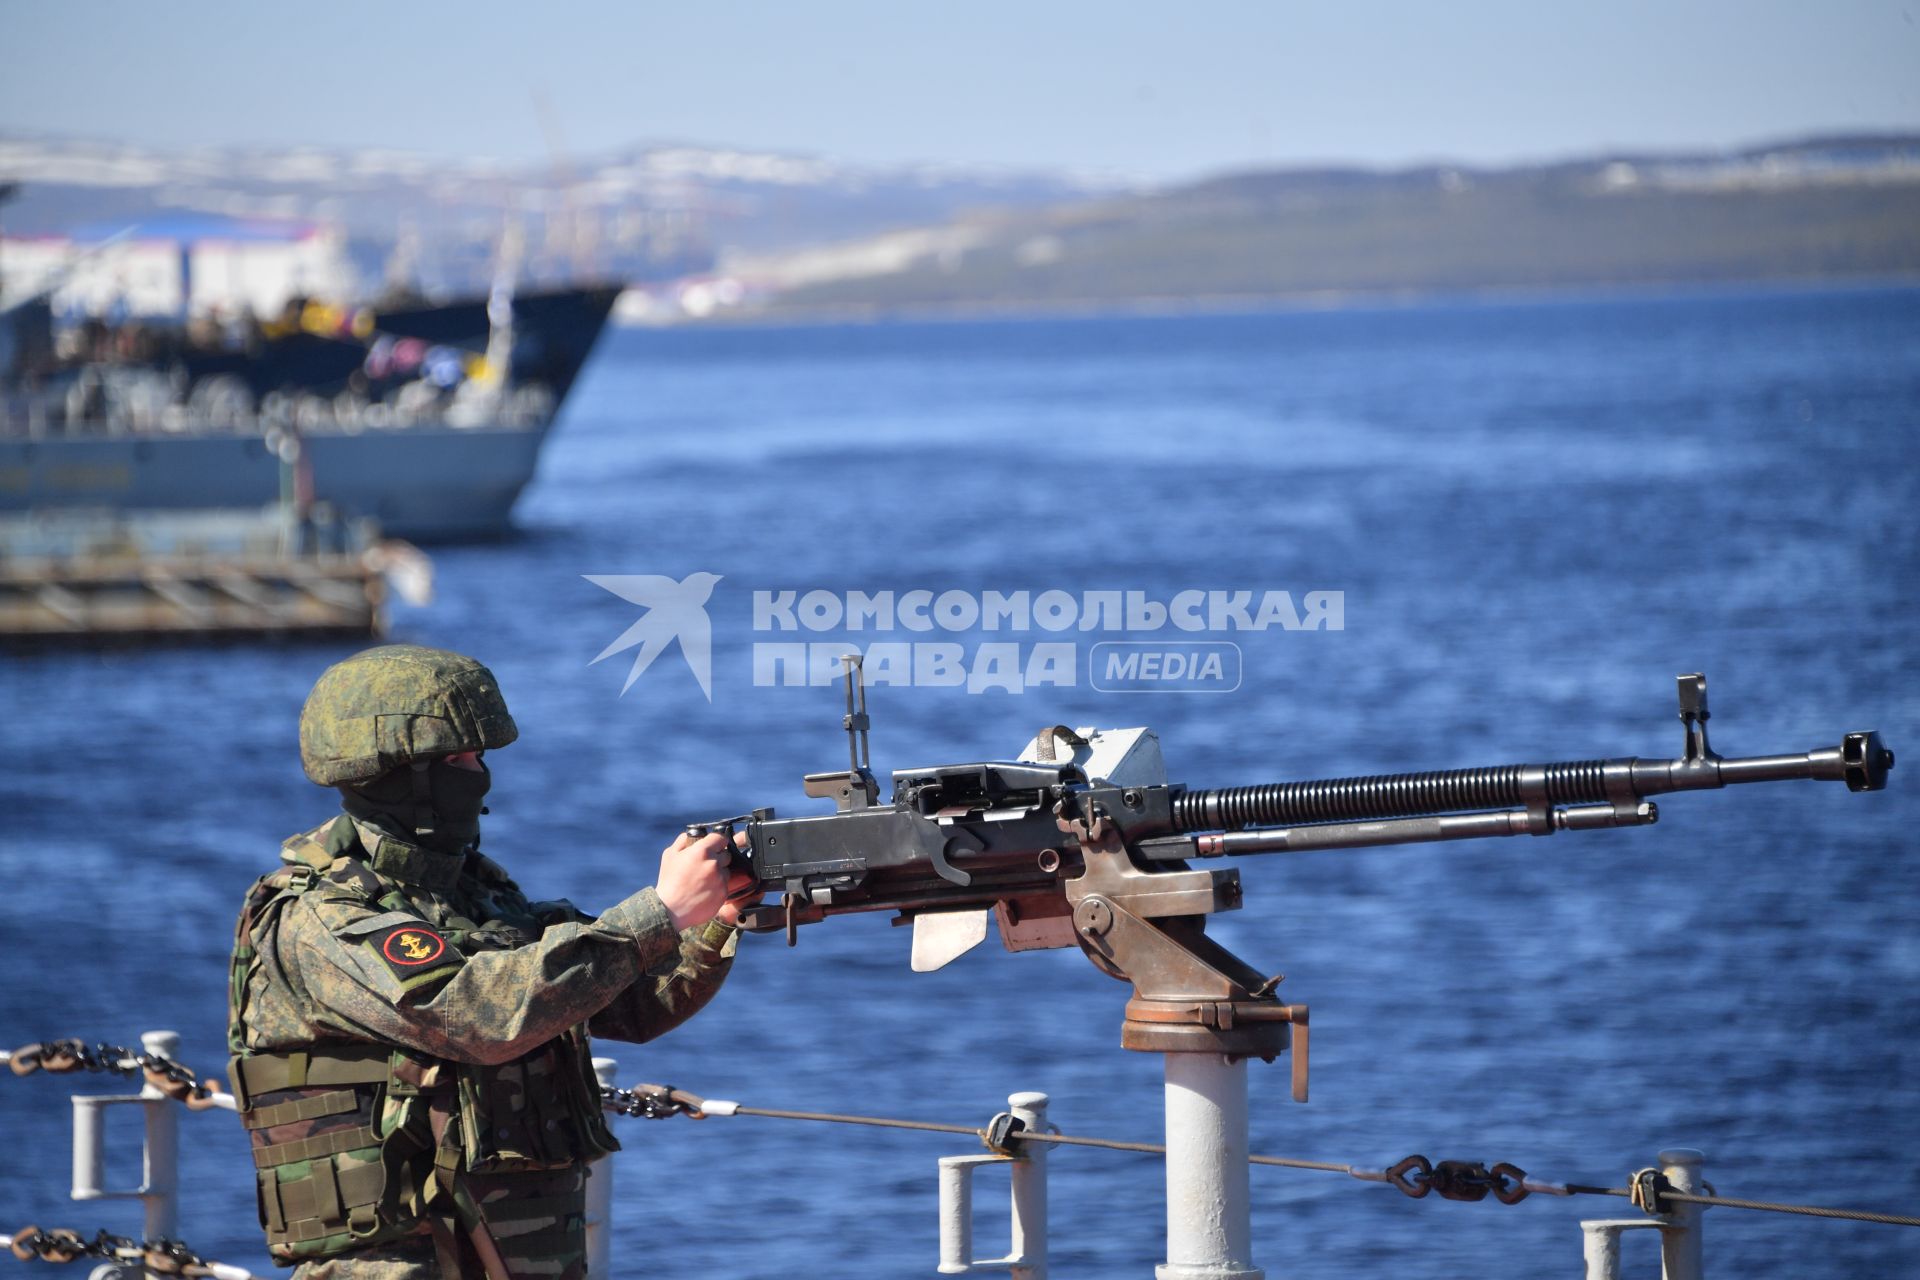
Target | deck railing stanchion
(1209,1226)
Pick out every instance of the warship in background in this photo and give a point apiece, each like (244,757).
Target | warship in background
(427,418)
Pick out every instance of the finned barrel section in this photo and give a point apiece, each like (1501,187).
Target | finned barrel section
(1862,761)
(1391,795)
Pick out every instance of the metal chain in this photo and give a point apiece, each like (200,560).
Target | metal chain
(158,1257)
(171,1078)
(1414,1177)
(650,1102)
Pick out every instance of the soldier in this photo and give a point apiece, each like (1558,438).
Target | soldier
(410,1033)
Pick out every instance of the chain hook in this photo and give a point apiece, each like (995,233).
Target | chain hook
(1419,1183)
(690,1105)
(1509,1183)
(26,1241)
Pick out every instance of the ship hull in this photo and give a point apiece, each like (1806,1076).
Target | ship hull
(428,484)
(427,481)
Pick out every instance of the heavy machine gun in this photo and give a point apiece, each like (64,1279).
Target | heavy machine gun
(1083,842)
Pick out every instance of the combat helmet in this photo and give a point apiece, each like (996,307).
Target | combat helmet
(396,704)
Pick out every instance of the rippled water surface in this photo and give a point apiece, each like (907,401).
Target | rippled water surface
(1538,514)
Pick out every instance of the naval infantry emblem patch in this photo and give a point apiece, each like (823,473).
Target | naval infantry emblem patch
(409,946)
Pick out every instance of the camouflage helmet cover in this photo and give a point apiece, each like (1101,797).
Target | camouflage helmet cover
(387,706)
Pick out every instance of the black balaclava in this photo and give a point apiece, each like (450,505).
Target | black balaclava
(434,803)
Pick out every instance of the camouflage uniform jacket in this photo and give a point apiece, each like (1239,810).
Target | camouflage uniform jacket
(390,946)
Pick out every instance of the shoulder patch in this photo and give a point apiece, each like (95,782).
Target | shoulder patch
(409,946)
(412,949)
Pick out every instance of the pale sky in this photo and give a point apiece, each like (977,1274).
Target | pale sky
(1149,89)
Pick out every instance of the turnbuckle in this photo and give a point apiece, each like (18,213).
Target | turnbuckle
(1415,1176)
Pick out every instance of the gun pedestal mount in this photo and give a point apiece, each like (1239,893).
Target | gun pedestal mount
(1190,994)
(1207,1011)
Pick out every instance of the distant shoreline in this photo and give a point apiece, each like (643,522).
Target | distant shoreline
(1245,304)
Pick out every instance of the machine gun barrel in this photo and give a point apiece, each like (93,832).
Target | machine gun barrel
(1861,761)
(1392,795)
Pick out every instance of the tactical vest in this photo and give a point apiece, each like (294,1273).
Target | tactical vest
(358,1144)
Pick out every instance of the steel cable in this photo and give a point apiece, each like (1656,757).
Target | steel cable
(660,1101)
(681,1102)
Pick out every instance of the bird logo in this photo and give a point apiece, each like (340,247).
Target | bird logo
(674,611)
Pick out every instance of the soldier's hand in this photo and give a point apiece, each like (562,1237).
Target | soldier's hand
(743,888)
(693,879)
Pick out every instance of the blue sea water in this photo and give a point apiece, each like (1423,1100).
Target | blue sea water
(1537,513)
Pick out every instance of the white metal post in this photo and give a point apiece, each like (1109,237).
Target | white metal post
(1209,1224)
(956,1212)
(1600,1245)
(600,1191)
(1030,1190)
(1681,1245)
(1680,1233)
(89,1159)
(1600,1240)
(161,1191)
(1027,1257)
